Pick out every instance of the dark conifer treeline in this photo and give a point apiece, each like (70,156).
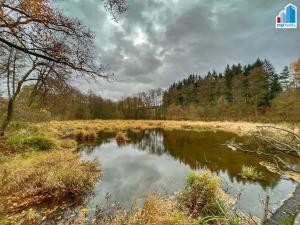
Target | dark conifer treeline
(240,92)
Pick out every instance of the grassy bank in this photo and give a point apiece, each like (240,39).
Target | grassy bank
(39,166)
(86,128)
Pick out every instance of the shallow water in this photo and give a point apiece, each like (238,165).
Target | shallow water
(157,161)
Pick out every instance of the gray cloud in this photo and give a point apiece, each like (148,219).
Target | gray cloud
(161,41)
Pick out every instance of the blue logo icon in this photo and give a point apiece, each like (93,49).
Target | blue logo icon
(287,18)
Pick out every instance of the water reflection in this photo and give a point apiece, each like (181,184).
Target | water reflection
(158,160)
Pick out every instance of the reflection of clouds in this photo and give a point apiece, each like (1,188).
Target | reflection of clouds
(156,161)
(131,174)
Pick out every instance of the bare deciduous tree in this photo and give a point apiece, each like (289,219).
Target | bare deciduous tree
(53,46)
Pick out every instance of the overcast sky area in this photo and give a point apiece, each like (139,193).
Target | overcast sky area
(159,42)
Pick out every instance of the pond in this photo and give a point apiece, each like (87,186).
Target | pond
(157,161)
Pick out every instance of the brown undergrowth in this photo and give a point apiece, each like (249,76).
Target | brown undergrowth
(37,167)
(92,127)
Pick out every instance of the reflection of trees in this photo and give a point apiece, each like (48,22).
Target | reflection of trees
(148,140)
(202,150)
(199,150)
(102,138)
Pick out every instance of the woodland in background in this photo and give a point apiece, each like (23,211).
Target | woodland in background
(253,92)
(41,47)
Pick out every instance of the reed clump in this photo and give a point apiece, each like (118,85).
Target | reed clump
(250,172)
(121,136)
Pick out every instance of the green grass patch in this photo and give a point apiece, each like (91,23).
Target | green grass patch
(15,139)
(41,142)
(250,172)
(32,141)
(2,220)
(289,221)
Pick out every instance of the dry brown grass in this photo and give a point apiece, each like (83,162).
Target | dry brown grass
(156,210)
(29,178)
(73,128)
(121,136)
(38,166)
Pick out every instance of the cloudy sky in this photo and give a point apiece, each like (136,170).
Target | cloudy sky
(158,42)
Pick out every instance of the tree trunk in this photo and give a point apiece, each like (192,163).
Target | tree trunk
(10,108)
(266,207)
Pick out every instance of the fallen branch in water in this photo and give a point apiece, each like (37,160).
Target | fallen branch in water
(280,142)
(276,158)
(283,129)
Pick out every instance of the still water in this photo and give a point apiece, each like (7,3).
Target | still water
(157,161)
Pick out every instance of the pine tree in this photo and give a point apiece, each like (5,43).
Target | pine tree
(284,78)
(228,78)
(214,75)
(273,80)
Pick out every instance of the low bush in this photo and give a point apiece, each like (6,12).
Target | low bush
(201,194)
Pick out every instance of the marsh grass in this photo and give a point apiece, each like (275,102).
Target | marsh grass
(121,136)
(156,210)
(250,172)
(225,216)
(44,167)
(201,194)
(54,173)
(33,141)
(72,128)
(41,142)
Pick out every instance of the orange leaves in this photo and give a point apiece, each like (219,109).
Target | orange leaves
(35,8)
(41,27)
(297,65)
(57,46)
